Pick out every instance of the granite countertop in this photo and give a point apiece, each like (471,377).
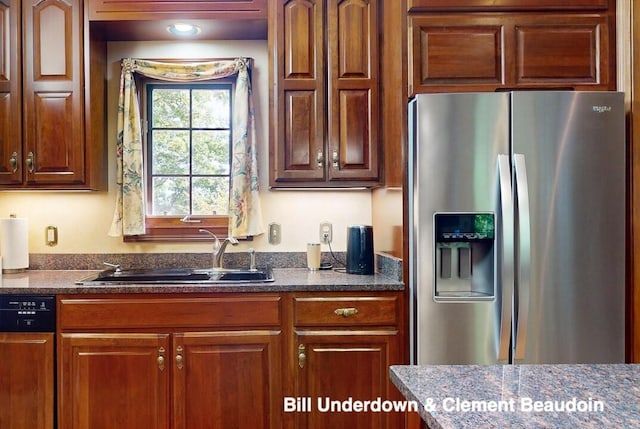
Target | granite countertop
(568,396)
(286,280)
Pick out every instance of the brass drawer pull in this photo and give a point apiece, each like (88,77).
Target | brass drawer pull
(346,312)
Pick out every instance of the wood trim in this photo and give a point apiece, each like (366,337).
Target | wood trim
(173,229)
(628,33)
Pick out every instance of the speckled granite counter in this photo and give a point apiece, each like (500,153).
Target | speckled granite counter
(286,280)
(506,396)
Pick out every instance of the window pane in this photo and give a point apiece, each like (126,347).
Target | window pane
(210,108)
(170,152)
(211,195)
(170,196)
(210,152)
(170,108)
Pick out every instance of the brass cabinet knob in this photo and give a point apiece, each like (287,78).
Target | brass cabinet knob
(160,360)
(320,159)
(179,357)
(302,357)
(13,162)
(336,160)
(30,162)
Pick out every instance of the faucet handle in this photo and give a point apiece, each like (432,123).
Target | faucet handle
(252,259)
(116,267)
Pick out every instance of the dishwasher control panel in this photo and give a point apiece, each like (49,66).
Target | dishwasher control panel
(27,313)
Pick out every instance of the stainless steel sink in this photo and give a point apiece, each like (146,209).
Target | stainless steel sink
(179,276)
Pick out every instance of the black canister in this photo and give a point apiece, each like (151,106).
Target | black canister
(360,249)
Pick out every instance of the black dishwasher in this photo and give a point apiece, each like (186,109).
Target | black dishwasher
(27,361)
(27,313)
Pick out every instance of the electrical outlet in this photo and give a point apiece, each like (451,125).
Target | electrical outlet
(326,232)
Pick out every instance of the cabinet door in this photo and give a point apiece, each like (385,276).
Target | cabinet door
(26,379)
(352,34)
(111,381)
(484,52)
(298,111)
(10,94)
(338,365)
(53,92)
(227,380)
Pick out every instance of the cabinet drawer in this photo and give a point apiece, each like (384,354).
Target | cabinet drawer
(345,311)
(151,312)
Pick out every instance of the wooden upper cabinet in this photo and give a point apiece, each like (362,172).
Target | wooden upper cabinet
(53,93)
(10,93)
(431,5)
(453,52)
(299,95)
(48,140)
(107,10)
(353,89)
(324,127)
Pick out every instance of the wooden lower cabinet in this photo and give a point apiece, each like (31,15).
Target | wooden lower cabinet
(180,380)
(110,380)
(339,368)
(26,381)
(218,360)
(344,344)
(227,380)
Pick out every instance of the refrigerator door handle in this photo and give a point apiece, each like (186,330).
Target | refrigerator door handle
(523,274)
(506,260)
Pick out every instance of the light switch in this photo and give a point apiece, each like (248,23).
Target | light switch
(274,233)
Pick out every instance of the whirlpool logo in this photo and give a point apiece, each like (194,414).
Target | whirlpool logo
(601,109)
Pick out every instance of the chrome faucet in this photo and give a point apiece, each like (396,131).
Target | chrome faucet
(252,259)
(218,248)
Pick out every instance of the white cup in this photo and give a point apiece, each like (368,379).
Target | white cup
(313,256)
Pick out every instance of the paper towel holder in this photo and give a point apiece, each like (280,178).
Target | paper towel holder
(15,258)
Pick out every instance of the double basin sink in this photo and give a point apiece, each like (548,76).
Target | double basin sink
(179,276)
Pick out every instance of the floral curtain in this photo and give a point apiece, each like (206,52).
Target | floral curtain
(245,218)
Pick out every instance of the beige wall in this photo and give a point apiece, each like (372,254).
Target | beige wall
(83,219)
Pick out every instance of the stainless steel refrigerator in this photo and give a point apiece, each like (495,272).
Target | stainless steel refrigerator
(517,227)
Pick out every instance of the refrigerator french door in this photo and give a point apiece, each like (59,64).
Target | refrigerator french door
(517,227)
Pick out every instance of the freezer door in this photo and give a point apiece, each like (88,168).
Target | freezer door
(571,279)
(456,140)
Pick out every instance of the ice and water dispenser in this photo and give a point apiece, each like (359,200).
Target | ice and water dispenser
(465,256)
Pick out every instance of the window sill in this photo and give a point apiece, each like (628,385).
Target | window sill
(172,229)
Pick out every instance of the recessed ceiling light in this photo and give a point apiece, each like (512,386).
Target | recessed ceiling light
(182,29)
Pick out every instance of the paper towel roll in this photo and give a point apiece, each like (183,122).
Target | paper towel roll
(14,244)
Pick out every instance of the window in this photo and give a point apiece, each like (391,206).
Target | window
(188,130)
